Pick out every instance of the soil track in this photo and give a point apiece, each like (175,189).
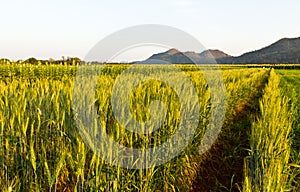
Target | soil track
(221,168)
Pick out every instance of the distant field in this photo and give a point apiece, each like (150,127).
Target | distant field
(292,77)
(41,148)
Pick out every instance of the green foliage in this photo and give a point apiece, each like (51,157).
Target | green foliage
(267,166)
(290,81)
(41,149)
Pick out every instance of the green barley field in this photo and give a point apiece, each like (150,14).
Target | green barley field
(42,149)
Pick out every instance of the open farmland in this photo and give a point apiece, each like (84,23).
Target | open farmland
(42,149)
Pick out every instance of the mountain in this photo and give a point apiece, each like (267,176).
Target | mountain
(214,53)
(177,57)
(212,56)
(286,50)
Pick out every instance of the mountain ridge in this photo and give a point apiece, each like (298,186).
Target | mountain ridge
(285,51)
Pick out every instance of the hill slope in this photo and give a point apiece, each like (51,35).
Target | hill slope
(286,50)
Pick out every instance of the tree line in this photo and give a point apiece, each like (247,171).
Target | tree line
(34,61)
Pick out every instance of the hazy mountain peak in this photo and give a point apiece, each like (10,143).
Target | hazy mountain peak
(214,54)
(173,51)
(175,56)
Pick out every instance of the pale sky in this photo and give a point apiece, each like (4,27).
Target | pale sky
(54,28)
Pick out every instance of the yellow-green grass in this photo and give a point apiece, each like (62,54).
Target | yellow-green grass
(290,83)
(267,168)
(41,149)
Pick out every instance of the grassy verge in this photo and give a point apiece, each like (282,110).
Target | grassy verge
(267,166)
(290,81)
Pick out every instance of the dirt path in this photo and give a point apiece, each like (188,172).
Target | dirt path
(222,167)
